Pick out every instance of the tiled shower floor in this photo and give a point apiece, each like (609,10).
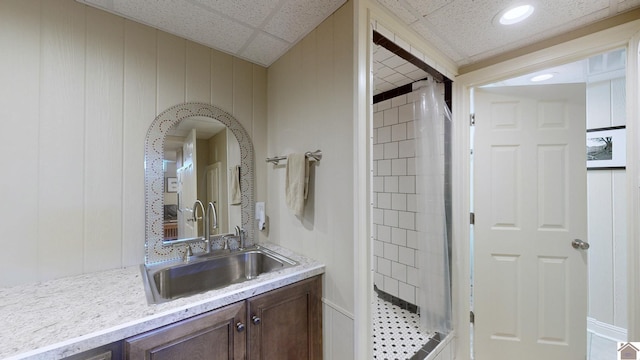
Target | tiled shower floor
(395,332)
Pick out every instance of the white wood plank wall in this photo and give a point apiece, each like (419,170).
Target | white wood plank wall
(311,106)
(607,213)
(78,89)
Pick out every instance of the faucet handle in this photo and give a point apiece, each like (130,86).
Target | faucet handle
(188,253)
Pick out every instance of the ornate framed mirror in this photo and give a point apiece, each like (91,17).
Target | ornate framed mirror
(154,172)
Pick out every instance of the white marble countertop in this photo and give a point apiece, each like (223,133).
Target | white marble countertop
(59,318)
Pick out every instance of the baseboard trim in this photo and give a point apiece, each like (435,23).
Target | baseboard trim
(605,330)
(338,308)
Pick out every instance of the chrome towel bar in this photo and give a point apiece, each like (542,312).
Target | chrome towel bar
(311,155)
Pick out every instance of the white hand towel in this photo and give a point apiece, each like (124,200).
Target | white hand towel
(236,195)
(296,182)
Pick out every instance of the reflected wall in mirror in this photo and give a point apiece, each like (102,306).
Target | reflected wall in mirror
(203,158)
(209,156)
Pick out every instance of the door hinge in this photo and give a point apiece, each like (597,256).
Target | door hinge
(472,218)
(472,119)
(472,317)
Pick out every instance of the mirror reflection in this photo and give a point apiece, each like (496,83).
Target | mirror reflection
(201,162)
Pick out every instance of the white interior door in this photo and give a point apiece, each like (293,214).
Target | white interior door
(530,283)
(188,189)
(215,195)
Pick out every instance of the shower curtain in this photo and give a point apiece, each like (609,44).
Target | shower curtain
(434,293)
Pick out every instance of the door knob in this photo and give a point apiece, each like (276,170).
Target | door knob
(579,244)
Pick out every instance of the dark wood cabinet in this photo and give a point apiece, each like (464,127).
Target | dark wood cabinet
(216,335)
(286,323)
(282,324)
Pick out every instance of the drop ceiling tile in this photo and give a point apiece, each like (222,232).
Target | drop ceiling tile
(406,68)
(252,12)
(265,49)
(416,75)
(382,54)
(434,37)
(394,61)
(385,86)
(398,79)
(423,8)
(385,71)
(477,32)
(534,38)
(297,18)
(402,12)
(189,21)
(624,5)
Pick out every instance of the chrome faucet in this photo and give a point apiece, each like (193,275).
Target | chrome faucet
(240,234)
(211,211)
(196,205)
(209,214)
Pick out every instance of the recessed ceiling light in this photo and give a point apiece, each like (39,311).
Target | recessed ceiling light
(516,14)
(541,77)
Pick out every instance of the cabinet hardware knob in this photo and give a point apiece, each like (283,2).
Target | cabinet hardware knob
(255,320)
(240,327)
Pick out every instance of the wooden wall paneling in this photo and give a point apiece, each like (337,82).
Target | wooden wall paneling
(171,60)
(222,80)
(103,141)
(620,248)
(243,93)
(286,136)
(198,73)
(140,94)
(618,102)
(61,140)
(600,219)
(599,104)
(259,132)
(314,111)
(325,84)
(344,86)
(19,111)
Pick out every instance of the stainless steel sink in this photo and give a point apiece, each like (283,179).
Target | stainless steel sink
(168,281)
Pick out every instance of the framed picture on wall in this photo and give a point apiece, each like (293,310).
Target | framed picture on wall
(606,148)
(172,184)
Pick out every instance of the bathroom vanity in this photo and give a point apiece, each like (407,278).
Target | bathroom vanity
(70,317)
(285,323)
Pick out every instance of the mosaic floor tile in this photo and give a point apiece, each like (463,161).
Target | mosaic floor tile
(396,333)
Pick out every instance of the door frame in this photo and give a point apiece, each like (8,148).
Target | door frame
(626,35)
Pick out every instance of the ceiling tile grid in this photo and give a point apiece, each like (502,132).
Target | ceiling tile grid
(626,5)
(250,12)
(263,30)
(391,71)
(264,48)
(256,30)
(467,31)
(296,18)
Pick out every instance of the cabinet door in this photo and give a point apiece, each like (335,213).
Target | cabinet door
(286,323)
(215,335)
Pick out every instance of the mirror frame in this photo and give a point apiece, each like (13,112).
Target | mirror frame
(154,175)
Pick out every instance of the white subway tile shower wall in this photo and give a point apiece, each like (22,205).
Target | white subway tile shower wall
(394,197)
